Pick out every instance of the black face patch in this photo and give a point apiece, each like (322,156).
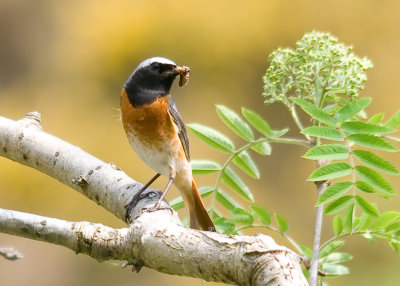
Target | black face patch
(161,69)
(156,67)
(150,82)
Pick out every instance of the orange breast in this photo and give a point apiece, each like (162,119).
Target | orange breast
(150,122)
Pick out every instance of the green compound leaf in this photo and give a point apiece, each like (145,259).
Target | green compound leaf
(372,142)
(366,206)
(315,112)
(348,219)
(328,152)
(337,225)
(330,247)
(236,183)
(263,148)
(336,257)
(376,118)
(385,220)
(338,205)
(257,122)
(202,167)
(244,162)
(365,221)
(222,226)
(212,137)
(394,121)
(178,202)
(335,269)
(261,214)
(283,225)
(306,251)
(352,109)
(364,187)
(240,216)
(334,191)
(375,161)
(375,180)
(330,171)
(279,133)
(226,200)
(214,213)
(323,132)
(359,127)
(356,221)
(393,227)
(395,246)
(235,123)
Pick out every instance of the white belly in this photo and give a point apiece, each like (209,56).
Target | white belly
(158,158)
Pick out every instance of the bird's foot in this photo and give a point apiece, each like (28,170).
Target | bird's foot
(136,264)
(157,206)
(133,202)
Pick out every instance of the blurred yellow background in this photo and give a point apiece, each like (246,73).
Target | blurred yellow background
(69,60)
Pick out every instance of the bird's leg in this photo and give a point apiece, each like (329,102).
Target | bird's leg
(135,198)
(157,205)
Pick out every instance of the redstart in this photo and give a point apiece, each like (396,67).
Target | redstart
(156,132)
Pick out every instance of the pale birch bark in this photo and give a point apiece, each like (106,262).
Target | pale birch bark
(155,239)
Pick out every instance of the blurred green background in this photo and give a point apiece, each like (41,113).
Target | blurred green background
(69,60)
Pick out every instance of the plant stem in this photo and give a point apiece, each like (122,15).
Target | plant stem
(321,186)
(300,142)
(361,232)
(297,121)
(341,236)
(352,164)
(321,100)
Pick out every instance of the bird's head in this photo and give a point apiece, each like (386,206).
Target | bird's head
(155,76)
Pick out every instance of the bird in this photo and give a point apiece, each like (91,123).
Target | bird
(157,133)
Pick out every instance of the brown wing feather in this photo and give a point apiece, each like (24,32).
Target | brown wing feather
(173,111)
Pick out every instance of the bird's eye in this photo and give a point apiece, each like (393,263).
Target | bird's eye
(155,66)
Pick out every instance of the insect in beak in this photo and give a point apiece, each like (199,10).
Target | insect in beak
(183,75)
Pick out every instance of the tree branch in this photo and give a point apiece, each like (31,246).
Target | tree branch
(155,239)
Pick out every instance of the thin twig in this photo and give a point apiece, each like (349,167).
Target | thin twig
(321,186)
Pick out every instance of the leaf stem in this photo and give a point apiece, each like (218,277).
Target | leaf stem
(294,141)
(351,159)
(361,232)
(300,142)
(321,100)
(297,121)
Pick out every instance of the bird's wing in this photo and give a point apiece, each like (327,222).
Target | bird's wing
(173,111)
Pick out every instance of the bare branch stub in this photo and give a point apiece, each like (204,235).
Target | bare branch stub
(35,118)
(10,253)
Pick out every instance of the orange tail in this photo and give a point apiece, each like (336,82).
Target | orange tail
(199,218)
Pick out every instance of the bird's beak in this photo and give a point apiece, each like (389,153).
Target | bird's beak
(183,75)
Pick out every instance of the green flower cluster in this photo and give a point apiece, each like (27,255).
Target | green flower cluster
(319,69)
